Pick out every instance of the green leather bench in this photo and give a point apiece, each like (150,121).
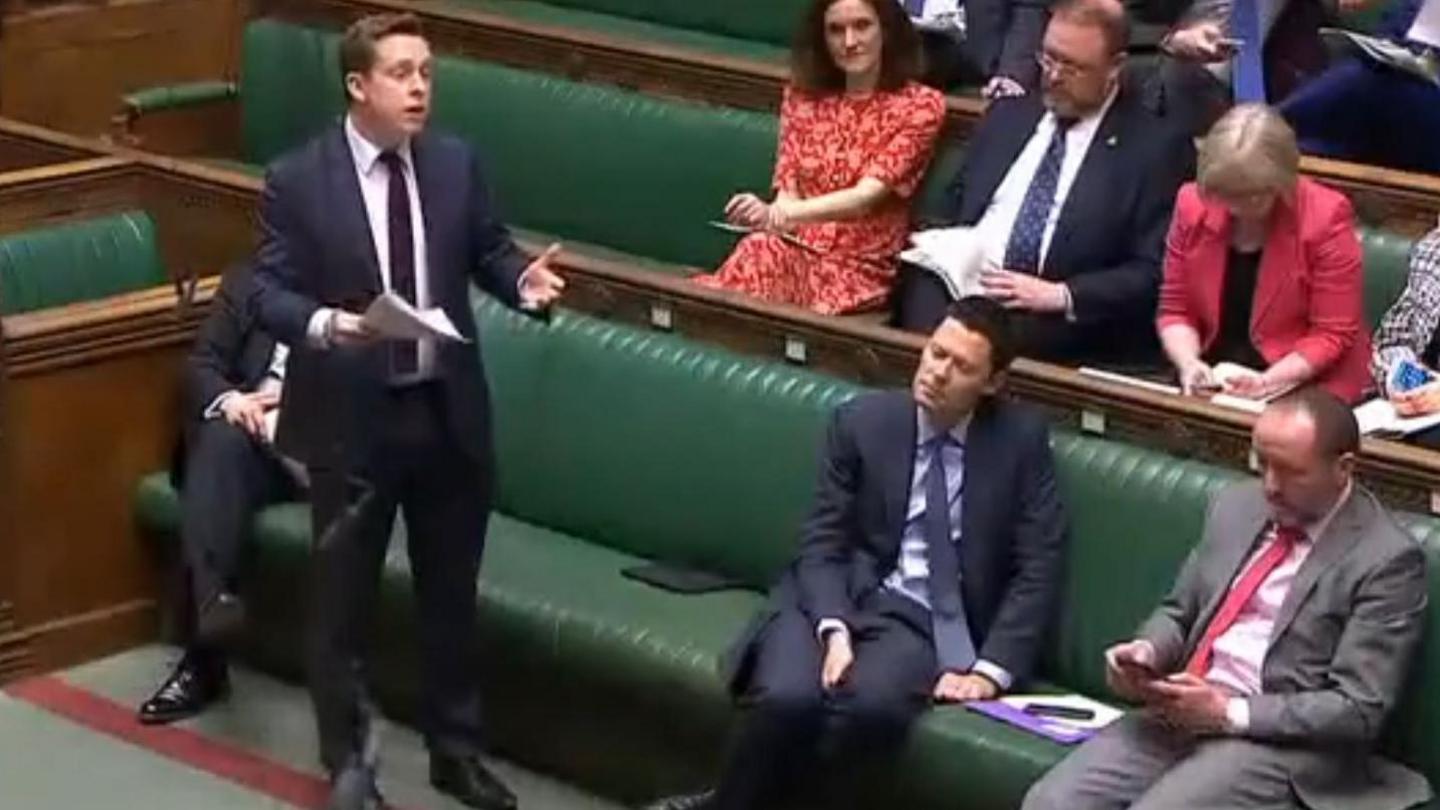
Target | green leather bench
(612,683)
(78,261)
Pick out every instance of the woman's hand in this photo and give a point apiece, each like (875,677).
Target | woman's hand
(1418,401)
(747,210)
(1197,379)
(1252,386)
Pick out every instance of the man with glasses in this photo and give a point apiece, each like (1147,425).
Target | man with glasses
(1069,193)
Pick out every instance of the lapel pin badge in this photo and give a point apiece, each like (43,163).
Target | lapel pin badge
(1112,141)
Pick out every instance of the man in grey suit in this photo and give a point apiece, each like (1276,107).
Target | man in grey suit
(1268,672)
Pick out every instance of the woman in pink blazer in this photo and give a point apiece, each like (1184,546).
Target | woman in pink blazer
(1263,270)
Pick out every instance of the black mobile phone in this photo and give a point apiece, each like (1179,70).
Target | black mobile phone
(1059,712)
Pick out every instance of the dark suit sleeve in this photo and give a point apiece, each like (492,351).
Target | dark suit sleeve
(210,369)
(1028,606)
(827,536)
(1131,287)
(1026,29)
(284,310)
(496,261)
(1368,671)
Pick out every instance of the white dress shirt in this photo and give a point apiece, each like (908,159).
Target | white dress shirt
(995,225)
(374,179)
(911,576)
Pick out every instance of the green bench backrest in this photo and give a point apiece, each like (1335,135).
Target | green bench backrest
(772,21)
(588,162)
(652,444)
(1387,264)
(78,261)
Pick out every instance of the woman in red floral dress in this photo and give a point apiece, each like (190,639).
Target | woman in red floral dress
(856,133)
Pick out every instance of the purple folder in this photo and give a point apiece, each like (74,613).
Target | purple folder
(1050,728)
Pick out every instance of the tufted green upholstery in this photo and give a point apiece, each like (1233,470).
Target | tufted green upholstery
(1387,264)
(767,21)
(613,683)
(587,162)
(78,261)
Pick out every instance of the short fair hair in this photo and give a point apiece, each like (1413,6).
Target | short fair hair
(1249,149)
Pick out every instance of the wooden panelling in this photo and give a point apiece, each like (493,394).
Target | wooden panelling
(65,65)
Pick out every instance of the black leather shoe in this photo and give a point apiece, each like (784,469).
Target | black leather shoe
(470,782)
(221,619)
(191,687)
(703,800)
(354,789)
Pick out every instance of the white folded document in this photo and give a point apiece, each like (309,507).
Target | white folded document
(954,255)
(392,317)
(1378,417)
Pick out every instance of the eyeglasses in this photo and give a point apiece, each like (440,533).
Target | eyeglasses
(1061,68)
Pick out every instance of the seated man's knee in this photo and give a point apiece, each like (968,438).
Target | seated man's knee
(1047,794)
(219,436)
(876,714)
(791,701)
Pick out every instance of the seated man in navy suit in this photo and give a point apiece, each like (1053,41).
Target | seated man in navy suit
(929,567)
(1070,194)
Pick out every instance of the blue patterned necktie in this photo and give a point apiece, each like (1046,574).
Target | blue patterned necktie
(1022,251)
(1247,71)
(954,649)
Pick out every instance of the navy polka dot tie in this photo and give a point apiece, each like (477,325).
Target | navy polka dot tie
(1022,252)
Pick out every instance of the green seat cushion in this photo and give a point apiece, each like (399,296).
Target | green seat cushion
(78,261)
(769,21)
(588,162)
(1387,265)
(700,431)
(636,30)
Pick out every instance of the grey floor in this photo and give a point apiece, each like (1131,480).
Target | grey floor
(48,763)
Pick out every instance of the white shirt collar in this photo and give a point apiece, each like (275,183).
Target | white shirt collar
(925,429)
(366,153)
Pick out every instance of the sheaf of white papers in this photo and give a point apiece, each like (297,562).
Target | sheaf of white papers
(1390,54)
(1426,27)
(391,316)
(955,255)
(1379,416)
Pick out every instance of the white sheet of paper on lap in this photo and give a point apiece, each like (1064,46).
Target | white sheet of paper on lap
(391,316)
(1389,54)
(1426,27)
(955,255)
(1378,417)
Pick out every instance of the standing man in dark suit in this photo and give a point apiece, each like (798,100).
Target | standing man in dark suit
(226,470)
(1269,671)
(928,570)
(376,204)
(1070,195)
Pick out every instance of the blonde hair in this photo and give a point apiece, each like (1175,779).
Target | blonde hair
(1250,149)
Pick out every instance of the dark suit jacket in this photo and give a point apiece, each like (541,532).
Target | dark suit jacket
(1003,36)
(316,250)
(1110,238)
(231,352)
(1012,538)
(1339,652)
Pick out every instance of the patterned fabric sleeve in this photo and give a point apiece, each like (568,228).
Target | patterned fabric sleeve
(787,149)
(900,164)
(1411,321)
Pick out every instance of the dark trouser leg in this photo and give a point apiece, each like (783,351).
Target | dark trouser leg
(777,742)
(447,506)
(888,687)
(921,300)
(229,477)
(352,522)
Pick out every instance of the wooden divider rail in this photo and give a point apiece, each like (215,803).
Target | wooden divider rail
(1404,202)
(88,405)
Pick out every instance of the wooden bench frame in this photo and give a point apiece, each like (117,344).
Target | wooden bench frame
(88,405)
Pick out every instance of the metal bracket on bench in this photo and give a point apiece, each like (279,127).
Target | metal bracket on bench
(795,350)
(1092,422)
(662,317)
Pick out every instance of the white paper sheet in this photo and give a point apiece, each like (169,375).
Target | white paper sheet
(955,255)
(1426,28)
(391,316)
(1379,416)
(1387,53)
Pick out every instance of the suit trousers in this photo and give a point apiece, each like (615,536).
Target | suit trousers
(229,476)
(797,738)
(1139,764)
(444,494)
